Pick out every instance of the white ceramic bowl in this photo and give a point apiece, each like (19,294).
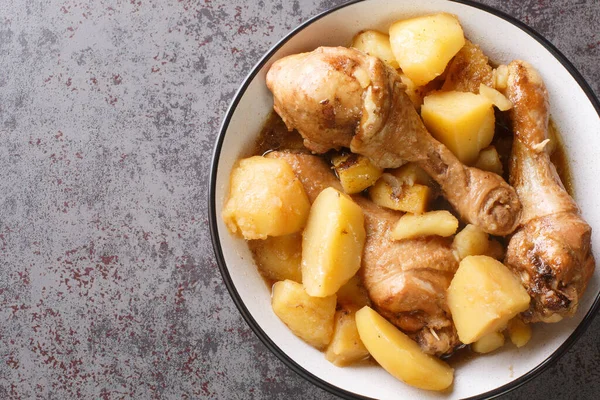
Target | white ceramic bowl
(575,111)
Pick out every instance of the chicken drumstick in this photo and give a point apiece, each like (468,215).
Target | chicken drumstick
(551,251)
(340,97)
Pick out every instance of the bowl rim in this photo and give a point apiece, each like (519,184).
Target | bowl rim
(213,215)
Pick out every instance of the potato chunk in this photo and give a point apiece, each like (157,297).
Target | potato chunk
(356,172)
(353,293)
(332,243)
(471,241)
(488,343)
(346,347)
(440,223)
(489,160)
(483,296)
(423,46)
(399,355)
(519,332)
(376,44)
(390,193)
(265,199)
(309,318)
(278,258)
(497,98)
(462,121)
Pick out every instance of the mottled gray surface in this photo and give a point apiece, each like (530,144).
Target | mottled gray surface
(108,114)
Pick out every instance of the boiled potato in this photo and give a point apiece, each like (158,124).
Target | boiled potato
(488,343)
(483,296)
(353,293)
(265,199)
(309,318)
(519,332)
(376,44)
(440,223)
(278,257)
(462,121)
(471,241)
(489,160)
(424,45)
(414,199)
(399,355)
(346,347)
(332,243)
(497,98)
(468,69)
(356,172)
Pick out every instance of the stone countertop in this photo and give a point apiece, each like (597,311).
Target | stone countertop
(108,113)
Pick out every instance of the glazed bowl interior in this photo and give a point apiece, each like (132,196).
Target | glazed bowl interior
(574,112)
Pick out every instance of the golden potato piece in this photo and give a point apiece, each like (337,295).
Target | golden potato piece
(497,98)
(356,172)
(440,223)
(519,332)
(265,199)
(388,192)
(489,160)
(471,241)
(353,293)
(483,296)
(399,355)
(309,318)
(468,69)
(424,45)
(462,121)
(346,347)
(332,243)
(376,44)
(278,257)
(488,343)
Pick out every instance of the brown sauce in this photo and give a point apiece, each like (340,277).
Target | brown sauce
(461,357)
(559,158)
(274,135)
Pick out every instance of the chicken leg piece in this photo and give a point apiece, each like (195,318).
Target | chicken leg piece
(340,97)
(406,280)
(551,251)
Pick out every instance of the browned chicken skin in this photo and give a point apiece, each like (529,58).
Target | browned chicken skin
(339,97)
(551,251)
(406,280)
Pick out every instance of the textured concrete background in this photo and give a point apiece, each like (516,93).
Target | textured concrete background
(108,114)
